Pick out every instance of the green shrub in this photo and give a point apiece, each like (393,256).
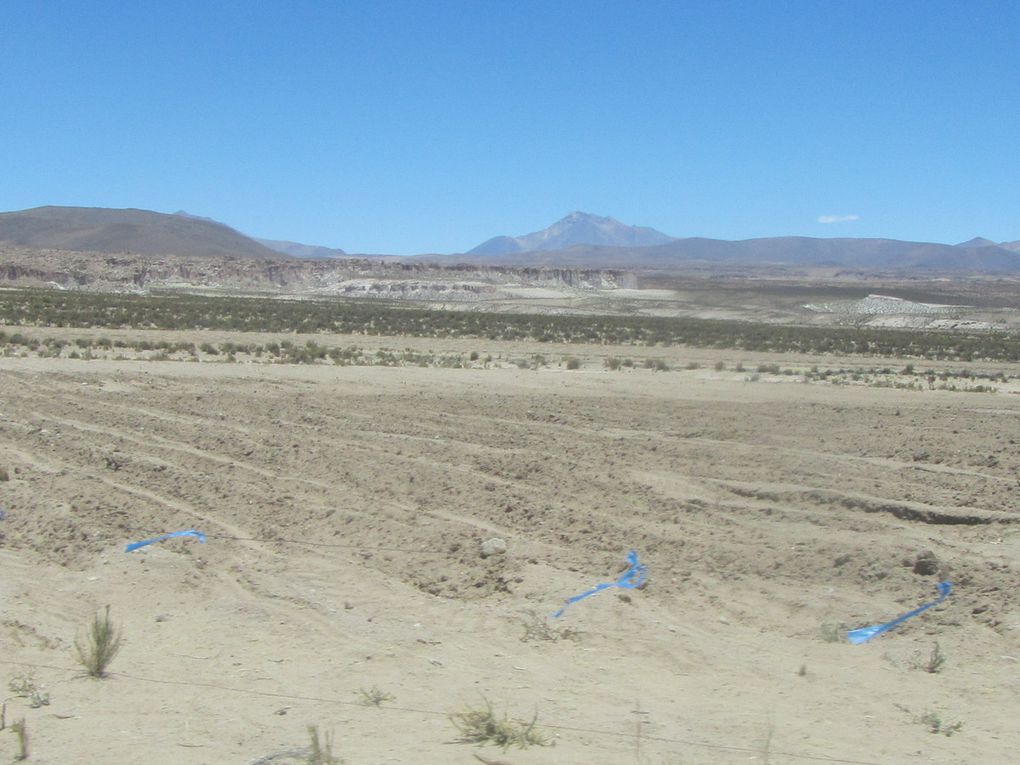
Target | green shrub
(102,643)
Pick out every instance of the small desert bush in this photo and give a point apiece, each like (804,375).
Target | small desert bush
(933,663)
(935,724)
(833,632)
(25,686)
(537,628)
(102,643)
(320,751)
(572,362)
(373,697)
(482,726)
(20,729)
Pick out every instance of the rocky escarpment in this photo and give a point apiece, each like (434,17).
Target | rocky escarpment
(350,277)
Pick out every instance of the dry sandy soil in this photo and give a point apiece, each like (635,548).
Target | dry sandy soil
(345,507)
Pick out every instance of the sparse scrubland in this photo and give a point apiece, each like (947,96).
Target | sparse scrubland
(348,463)
(53,308)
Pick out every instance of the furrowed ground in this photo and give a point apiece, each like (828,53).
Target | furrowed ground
(777,498)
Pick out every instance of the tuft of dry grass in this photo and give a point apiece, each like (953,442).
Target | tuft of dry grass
(934,663)
(482,726)
(833,632)
(23,685)
(320,751)
(374,697)
(536,627)
(935,724)
(21,731)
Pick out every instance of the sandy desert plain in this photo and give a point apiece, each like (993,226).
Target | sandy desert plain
(341,583)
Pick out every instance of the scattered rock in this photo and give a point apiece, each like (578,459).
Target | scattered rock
(493,546)
(926,564)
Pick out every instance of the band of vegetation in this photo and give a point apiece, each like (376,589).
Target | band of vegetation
(38,307)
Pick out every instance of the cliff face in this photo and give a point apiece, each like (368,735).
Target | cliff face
(353,277)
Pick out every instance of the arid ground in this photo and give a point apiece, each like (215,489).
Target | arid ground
(345,507)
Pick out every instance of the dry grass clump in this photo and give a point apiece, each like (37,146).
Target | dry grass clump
(935,724)
(20,730)
(933,663)
(537,628)
(374,697)
(482,726)
(24,686)
(833,632)
(320,751)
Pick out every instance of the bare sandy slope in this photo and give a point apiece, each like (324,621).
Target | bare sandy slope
(345,507)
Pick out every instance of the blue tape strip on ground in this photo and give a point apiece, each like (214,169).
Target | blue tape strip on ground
(187,533)
(864,634)
(633,577)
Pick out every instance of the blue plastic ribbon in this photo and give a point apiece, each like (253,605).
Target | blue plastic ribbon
(187,533)
(864,634)
(633,577)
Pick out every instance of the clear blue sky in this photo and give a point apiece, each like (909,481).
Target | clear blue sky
(405,127)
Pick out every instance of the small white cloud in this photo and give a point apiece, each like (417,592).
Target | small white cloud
(838,218)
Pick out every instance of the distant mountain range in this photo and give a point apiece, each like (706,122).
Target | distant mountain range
(584,240)
(291,249)
(576,229)
(580,240)
(786,251)
(298,250)
(142,232)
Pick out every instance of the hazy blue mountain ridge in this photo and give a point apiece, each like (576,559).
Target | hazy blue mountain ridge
(298,250)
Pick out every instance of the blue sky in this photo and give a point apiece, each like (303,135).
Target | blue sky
(407,127)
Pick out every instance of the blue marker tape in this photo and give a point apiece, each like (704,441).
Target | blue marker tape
(864,634)
(633,577)
(188,533)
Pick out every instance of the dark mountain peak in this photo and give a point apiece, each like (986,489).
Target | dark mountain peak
(577,228)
